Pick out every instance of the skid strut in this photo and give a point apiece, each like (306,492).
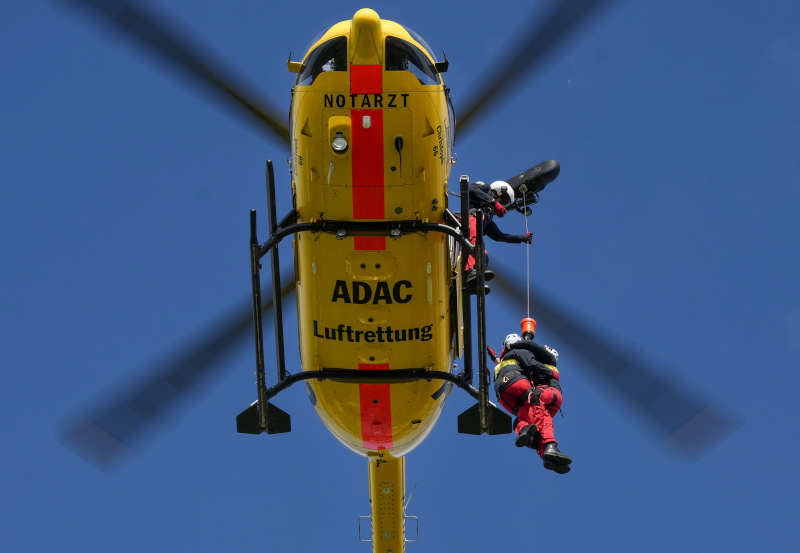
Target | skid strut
(483,417)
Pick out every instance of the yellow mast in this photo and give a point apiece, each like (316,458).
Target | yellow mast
(387,491)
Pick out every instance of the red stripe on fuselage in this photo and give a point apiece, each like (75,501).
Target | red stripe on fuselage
(376,411)
(367,129)
(369,242)
(368,203)
(366,79)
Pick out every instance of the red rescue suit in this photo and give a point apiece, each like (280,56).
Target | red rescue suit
(527,384)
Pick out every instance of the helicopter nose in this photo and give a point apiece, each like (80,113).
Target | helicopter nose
(366,38)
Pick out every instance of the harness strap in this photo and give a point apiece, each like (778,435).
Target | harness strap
(521,400)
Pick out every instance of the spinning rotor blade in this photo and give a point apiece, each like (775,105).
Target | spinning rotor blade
(170,45)
(529,49)
(105,432)
(691,423)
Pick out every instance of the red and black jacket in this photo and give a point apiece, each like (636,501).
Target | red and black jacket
(529,360)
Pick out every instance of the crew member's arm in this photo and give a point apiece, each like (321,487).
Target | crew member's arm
(493,231)
(540,370)
(543,354)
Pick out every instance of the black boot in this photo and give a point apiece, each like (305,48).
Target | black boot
(470,276)
(488,275)
(471,282)
(555,460)
(528,437)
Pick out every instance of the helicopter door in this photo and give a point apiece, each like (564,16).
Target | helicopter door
(456,304)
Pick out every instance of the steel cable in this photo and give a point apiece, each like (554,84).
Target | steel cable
(528,258)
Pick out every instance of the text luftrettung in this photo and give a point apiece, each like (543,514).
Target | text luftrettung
(381,334)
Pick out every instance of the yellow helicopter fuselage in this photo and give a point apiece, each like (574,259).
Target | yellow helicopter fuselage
(371,137)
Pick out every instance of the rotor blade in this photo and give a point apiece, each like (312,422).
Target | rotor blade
(106,431)
(170,45)
(529,49)
(690,422)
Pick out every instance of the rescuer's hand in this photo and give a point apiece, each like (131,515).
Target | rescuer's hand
(499,210)
(528,238)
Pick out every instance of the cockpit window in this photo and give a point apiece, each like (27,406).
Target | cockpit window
(404,56)
(416,36)
(451,118)
(329,56)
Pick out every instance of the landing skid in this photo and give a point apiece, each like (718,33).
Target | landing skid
(262,416)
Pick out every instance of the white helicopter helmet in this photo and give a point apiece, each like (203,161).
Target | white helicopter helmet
(502,188)
(511,340)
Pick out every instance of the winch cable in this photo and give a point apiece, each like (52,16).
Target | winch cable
(528,257)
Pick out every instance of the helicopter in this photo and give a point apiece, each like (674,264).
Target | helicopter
(360,266)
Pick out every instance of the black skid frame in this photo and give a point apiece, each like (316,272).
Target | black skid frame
(262,416)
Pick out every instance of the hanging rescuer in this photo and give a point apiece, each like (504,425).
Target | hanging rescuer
(527,383)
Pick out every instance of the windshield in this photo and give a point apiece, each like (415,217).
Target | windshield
(328,56)
(416,36)
(404,56)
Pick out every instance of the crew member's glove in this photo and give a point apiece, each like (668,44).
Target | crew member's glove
(499,210)
(528,238)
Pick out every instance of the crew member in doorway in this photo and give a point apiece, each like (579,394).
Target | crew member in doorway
(489,200)
(527,383)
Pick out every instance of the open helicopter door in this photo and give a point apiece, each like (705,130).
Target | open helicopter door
(456,287)
(459,308)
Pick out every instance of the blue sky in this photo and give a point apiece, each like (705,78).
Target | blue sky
(672,228)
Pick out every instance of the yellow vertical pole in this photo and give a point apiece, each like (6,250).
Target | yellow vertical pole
(387,490)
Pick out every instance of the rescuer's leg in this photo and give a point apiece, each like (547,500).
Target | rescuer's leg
(473,233)
(542,412)
(517,394)
(470,276)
